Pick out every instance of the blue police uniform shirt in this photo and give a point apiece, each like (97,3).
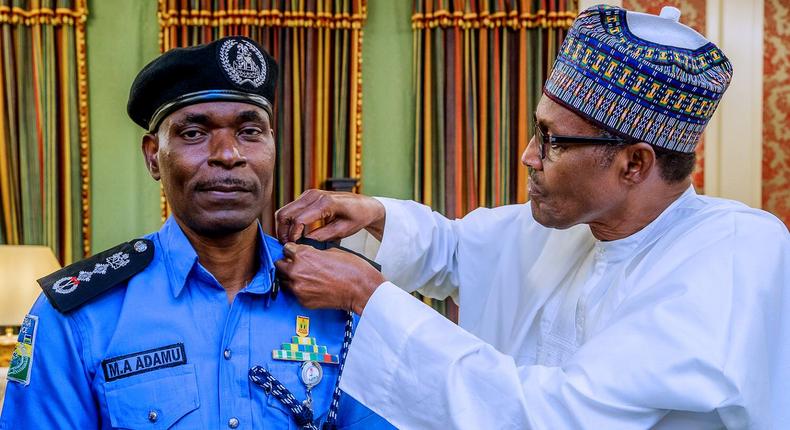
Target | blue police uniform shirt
(194,353)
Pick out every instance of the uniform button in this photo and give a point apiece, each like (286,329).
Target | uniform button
(153,416)
(233,422)
(226,353)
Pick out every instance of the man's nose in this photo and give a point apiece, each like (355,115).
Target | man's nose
(531,155)
(225,151)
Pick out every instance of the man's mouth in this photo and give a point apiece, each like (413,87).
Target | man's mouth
(532,189)
(226,188)
(226,185)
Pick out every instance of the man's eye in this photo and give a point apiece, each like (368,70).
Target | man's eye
(191,134)
(251,131)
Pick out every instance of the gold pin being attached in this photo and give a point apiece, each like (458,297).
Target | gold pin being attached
(302,326)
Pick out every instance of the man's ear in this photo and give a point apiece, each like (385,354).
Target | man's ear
(150,147)
(640,162)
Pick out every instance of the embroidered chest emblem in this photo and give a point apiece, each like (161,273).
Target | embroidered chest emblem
(243,62)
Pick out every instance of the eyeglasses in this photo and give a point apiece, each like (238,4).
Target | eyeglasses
(544,140)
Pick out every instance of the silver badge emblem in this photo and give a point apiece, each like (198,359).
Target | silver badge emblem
(118,260)
(68,284)
(243,62)
(140,246)
(311,374)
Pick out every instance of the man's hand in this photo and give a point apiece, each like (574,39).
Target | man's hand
(342,215)
(328,279)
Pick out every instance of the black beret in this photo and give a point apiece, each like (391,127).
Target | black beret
(229,69)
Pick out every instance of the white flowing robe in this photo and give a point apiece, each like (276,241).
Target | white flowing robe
(683,325)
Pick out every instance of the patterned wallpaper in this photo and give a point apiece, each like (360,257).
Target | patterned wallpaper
(692,13)
(776,96)
(776,110)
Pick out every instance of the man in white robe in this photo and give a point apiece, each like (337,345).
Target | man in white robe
(617,298)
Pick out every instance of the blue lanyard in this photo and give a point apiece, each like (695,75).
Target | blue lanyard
(301,413)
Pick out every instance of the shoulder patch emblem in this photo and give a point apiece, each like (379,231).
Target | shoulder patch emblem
(22,358)
(76,284)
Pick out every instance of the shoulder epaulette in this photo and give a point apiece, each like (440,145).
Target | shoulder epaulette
(78,283)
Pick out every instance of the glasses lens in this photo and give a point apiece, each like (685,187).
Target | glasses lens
(541,141)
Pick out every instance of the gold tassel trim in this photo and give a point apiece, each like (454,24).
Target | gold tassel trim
(85,166)
(268,18)
(43,16)
(513,20)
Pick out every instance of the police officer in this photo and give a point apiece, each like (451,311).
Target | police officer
(184,328)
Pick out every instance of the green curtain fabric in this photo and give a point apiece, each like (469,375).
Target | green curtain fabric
(44,158)
(479,69)
(318,47)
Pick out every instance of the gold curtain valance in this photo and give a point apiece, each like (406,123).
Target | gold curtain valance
(311,15)
(44,15)
(493,15)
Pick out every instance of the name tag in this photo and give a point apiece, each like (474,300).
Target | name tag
(145,361)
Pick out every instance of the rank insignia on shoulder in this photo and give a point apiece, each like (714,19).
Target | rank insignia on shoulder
(303,348)
(22,357)
(76,284)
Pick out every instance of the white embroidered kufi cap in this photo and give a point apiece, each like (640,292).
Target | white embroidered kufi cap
(642,77)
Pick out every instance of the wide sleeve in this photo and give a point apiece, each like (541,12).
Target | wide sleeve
(697,335)
(58,394)
(422,250)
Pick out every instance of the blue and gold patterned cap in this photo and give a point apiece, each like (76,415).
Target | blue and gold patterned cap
(641,76)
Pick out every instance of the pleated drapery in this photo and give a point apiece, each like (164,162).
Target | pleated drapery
(318,47)
(44,146)
(479,70)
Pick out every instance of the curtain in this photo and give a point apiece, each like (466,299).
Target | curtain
(479,69)
(44,147)
(318,108)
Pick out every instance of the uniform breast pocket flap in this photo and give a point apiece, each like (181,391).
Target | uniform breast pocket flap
(288,375)
(157,401)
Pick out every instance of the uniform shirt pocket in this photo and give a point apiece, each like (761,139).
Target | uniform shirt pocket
(288,374)
(155,400)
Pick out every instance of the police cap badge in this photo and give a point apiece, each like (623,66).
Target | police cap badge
(229,69)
